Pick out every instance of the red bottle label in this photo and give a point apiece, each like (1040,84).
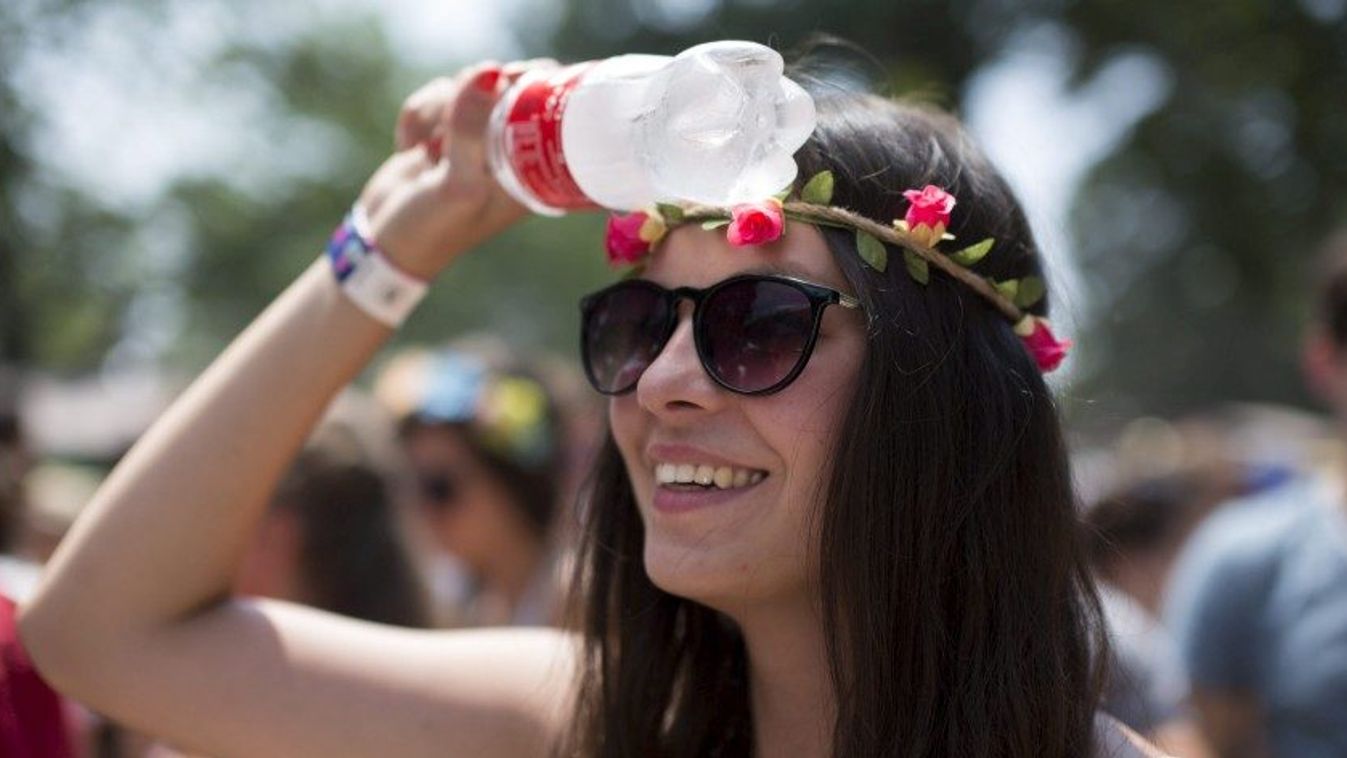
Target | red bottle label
(533,139)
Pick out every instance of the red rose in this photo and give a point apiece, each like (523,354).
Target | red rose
(623,238)
(755,223)
(929,206)
(928,213)
(1047,350)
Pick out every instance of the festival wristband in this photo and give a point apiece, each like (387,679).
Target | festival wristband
(366,275)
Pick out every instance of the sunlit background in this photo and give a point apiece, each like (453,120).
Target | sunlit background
(166,167)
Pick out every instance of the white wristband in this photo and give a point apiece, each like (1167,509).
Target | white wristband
(366,275)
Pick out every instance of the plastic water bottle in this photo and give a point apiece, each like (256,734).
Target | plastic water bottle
(717,124)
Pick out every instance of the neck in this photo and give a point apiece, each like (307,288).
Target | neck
(791,693)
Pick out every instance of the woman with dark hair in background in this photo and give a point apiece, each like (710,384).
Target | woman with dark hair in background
(483,437)
(333,537)
(833,517)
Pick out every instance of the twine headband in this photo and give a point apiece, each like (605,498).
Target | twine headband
(630,238)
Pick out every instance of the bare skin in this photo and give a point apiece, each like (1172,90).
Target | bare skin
(136,618)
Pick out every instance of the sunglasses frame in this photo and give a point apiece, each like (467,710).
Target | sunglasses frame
(819,296)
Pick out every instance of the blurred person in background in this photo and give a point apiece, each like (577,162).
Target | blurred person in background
(34,720)
(1258,600)
(334,537)
(1134,534)
(17,575)
(485,441)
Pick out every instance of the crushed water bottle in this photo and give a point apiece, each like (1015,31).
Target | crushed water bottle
(718,124)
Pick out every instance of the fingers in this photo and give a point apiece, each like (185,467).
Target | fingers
(465,139)
(423,112)
(515,69)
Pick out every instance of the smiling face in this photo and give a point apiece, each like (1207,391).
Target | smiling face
(747,538)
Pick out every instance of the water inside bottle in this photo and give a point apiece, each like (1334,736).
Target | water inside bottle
(721,124)
(718,124)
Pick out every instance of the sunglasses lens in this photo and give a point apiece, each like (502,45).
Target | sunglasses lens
(624,330)
(755,333)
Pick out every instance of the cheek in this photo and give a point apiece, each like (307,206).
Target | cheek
(804,424)
(629,424)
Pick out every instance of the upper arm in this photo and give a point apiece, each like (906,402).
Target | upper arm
(273,679)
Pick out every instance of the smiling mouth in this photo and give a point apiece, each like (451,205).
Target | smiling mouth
(692,477)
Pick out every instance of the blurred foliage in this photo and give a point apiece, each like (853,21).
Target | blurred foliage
(58,302)
(1194,236)
(1213,213)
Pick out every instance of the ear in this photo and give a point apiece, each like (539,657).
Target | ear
(1321,362)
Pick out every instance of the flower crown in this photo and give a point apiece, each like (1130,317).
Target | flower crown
(630,238)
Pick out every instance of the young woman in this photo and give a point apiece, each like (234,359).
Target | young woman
(483,437)
(875,554)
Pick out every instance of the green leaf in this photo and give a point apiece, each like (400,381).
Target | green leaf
(819,189)
(917,267)
(1008,288)
(1031,290)
(672,214)
(783,194)
(973,253)
(715,223)
(872,251)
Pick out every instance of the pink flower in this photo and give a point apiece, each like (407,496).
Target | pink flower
(1047,350)
(928,213)
(756,223)
(630,237)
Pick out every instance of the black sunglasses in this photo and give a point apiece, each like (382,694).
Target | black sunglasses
(753,332)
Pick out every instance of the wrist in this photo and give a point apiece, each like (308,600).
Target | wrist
(376,284)
(405,245)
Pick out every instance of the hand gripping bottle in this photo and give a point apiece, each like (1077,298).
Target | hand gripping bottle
(718,124)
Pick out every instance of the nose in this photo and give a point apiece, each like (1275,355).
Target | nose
(674,386)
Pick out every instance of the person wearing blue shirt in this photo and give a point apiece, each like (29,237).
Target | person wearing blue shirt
(1258,602)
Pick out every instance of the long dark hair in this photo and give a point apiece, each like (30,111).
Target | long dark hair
(353,559)
(959,614)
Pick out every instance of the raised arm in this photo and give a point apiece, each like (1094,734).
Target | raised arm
(135,618)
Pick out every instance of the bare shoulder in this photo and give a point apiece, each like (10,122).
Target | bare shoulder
(1113,739)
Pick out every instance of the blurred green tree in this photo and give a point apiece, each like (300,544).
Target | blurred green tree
(1194,236)
(1199,235)
(59,299)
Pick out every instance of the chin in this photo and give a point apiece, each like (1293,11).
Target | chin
(725,577)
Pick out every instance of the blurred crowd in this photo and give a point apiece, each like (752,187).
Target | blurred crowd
(440,498)
(445,494)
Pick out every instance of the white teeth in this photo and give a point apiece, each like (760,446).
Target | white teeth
(666,473)
(724,477)
(721,477)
